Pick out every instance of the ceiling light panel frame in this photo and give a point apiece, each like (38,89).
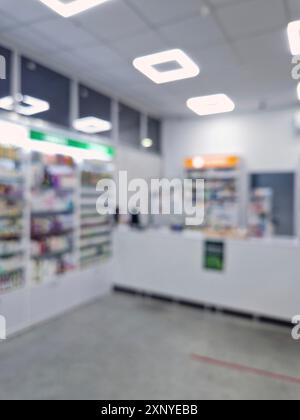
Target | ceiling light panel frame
(187,67)
(294,37)
(72,8)
(211,105)
(92,125)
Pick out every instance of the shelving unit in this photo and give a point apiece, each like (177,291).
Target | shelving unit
(95,230)
(41,275)
(53,206)
(12,205)
(222,195)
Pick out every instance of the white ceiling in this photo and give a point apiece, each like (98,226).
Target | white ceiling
(241,47)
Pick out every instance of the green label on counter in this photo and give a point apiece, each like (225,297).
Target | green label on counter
(214,258)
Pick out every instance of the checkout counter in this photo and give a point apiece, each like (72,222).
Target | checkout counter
(259,277)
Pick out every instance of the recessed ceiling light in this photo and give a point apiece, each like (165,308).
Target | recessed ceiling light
(68,8)
(294,37)
(147,143)
(24,105)
(92,125)
(209,105)
(185,69)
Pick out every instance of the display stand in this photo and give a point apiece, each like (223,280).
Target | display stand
(223,197)
(95,233)
(41,236)
(12,219)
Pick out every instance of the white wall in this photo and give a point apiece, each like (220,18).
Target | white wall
(266,140)
(139,164)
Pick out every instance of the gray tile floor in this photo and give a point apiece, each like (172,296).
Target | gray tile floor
(125,347)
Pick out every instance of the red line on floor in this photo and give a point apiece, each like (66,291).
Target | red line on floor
(245,369)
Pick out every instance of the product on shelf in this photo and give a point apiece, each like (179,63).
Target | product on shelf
(260,223)
(95,234)
(12,264)
(221,175)
(53,224)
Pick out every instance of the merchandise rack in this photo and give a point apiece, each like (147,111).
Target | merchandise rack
(223,193)
(95,230)
(39,215)
(53,207)
(12,219)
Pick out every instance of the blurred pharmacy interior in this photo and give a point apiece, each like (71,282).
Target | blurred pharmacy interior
(143,304)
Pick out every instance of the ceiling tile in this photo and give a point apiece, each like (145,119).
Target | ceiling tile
(163,11)
(63,32)
(148,42)
(222,3)
(193,32)
(294,8)
(112,21)
(101,55)
(25,11)
(241,47)
(217,59)
(26,40)
(252,17)
(7,22)
(269,48)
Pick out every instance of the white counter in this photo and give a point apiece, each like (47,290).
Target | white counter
(261,277)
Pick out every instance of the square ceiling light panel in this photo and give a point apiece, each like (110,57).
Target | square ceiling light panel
(92,125)
(210,105)
(24,105)
(167,66)
(68,8)
(294,37)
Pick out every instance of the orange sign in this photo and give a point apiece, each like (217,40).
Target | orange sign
(212,161)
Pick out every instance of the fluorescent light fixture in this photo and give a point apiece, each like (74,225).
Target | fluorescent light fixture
(92,125)
(147,143)
(68,8)
(294,37)
(24,105)
(149,66)
(210,105)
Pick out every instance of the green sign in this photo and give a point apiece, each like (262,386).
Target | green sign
(107,151)
(214,255)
